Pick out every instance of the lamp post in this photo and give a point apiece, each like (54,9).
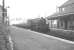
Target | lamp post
(3,17)
(7,17)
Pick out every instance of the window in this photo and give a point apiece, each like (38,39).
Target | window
(55,22)
(61,23)
(57,10)
(63,9)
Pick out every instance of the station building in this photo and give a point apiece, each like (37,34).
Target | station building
(64,19)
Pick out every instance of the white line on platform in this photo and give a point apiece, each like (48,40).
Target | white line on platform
(11,43)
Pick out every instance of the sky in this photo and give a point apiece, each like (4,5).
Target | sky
(21,10)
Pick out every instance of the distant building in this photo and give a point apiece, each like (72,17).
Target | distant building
(64,19)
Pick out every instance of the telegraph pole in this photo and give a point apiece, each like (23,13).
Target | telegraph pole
(3,17)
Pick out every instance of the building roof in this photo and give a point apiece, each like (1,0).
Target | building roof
(67,3)
(53,16)
(56,15)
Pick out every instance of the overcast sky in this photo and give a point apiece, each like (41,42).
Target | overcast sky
(26,9)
